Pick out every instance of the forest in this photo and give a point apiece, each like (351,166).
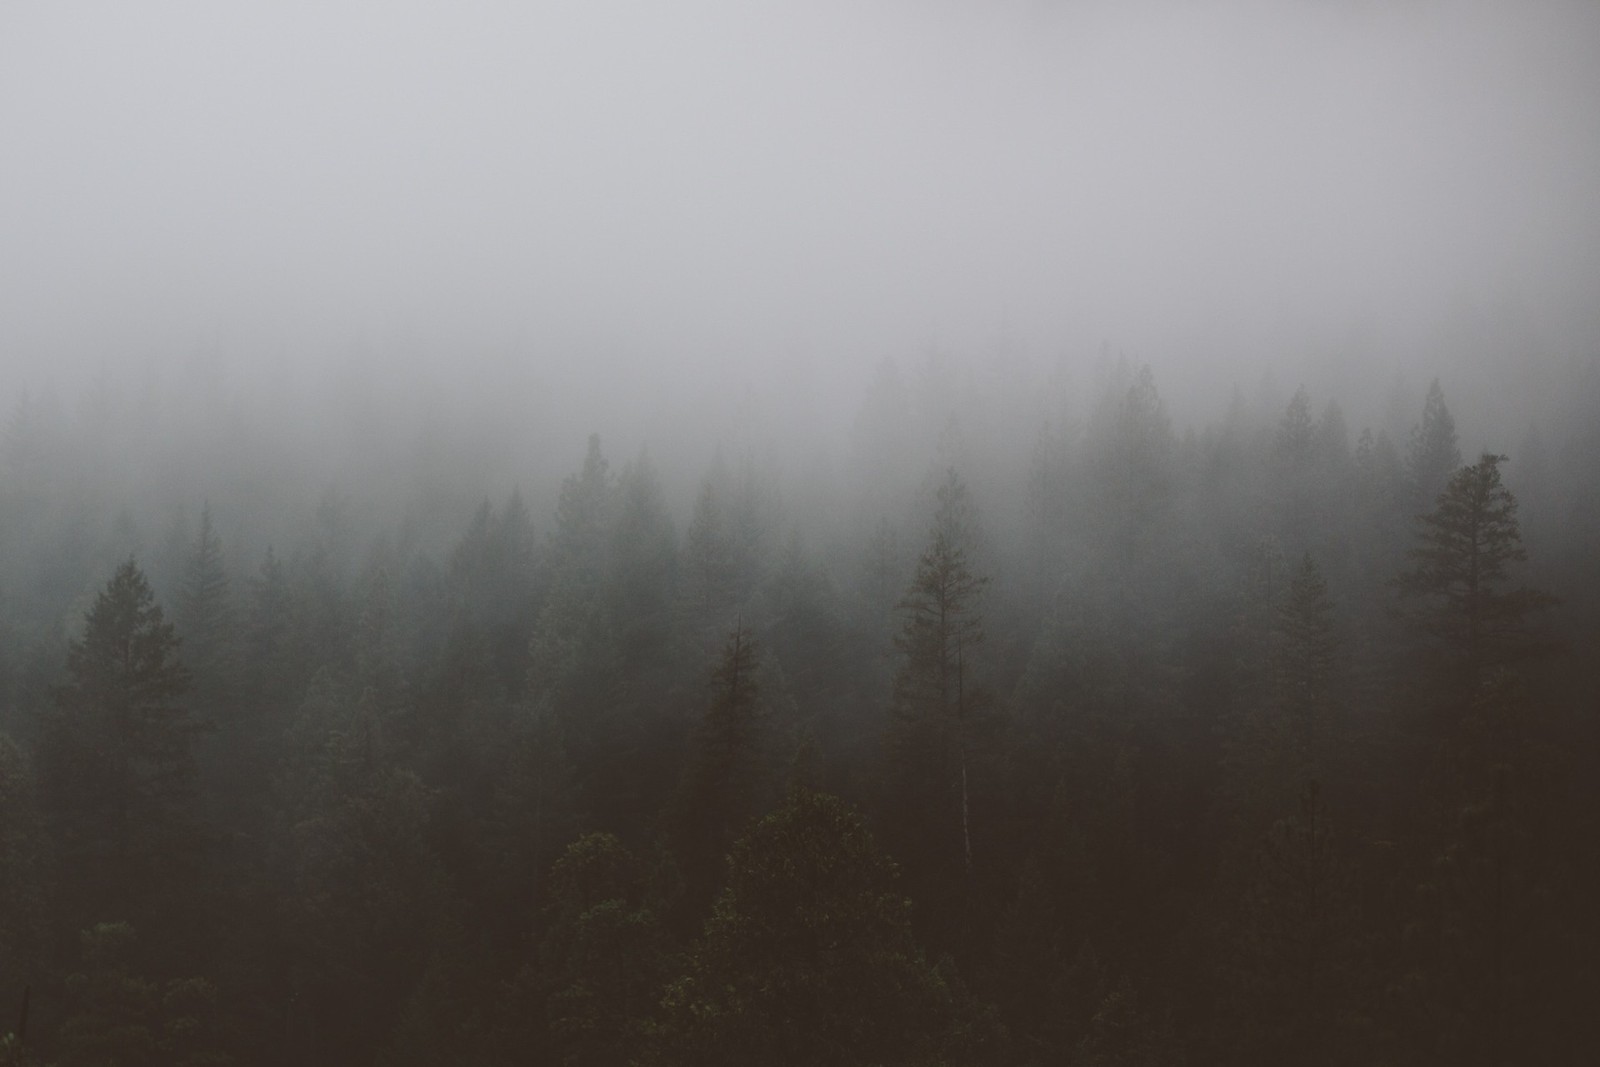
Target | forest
(1032,728)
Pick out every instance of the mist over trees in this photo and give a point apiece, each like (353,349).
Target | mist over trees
(1255,738)
(1009,533)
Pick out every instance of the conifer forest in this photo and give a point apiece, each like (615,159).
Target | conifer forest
(955,533)
(1267,743)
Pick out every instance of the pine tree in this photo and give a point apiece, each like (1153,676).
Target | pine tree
(604,955)
(204,611)
(569,643)
(809,958)
(1463,558)
(1303,665)
(1295,436)
(935,717)
(119,1016)
(708,554)
(1294,945)
(1282,735)
(1132,449)
(1433,453)
(641,575)
(22,873)
(721,785)
(357,832)
(269,643)
(116,760)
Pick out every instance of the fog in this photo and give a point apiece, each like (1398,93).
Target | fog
(613,199)
(1010,532)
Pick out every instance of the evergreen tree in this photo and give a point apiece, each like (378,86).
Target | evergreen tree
(809,958)
(570,649)
(1477,970)
(494,598)
(364,877)
(1295,438)
(116,763)
(884,576)
(1463,558)
(1433,454)
(23,911)
(122,1017)
(722,782)
(604,956)
(935,718)
(1302,669)
(1132,454)
(642,571)
(204,615)
(1293,951)
(270,667)
(708,554)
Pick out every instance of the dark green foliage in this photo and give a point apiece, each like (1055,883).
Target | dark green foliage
(710,587)
(204,614)
(116,761)
(1433,454)
(1047,981)
(809,958)
(603,957)
(445,1021)
(1463,557)
(364,877)
(471,799)
(727,770)
(271,668)
(941,733)
(1288,728)
(492,573)
(23,874)
(641,573)
(1296,946)
(121,1018)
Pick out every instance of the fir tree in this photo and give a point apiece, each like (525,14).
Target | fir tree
(116,761)
(809,958)
(935,715)
(204,610)
(721,785)
(1433,453)
(23,857)
(1463,558)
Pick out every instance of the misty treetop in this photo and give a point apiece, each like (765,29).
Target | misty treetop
(1128,741)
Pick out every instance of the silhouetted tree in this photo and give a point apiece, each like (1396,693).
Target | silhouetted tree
(204,615)
(1464,553)
(116,752)
(937,706)
(1433,454)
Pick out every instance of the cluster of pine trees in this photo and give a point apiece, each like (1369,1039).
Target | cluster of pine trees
(1251,746)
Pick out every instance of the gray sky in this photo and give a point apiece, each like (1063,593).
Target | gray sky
(732,189)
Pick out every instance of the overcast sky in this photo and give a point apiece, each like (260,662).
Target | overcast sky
(729,187)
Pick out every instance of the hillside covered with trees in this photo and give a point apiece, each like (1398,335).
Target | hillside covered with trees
(1025,727)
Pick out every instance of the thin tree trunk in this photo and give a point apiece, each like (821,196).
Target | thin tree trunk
(966,825)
